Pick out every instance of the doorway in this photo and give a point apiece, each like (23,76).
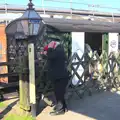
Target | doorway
(94,40)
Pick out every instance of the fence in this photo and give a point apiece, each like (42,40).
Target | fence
(100,72)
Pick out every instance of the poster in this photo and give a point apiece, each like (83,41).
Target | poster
(78,42)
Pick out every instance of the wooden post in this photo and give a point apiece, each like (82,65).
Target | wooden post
(23,80)
(23,84)
(32,88)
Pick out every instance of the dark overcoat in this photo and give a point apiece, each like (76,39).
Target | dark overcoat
(57,63)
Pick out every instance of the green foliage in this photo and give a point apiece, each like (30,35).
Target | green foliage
(66,40)
(104,57)
(105,42)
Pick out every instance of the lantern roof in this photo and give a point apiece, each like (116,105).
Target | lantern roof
(30,13)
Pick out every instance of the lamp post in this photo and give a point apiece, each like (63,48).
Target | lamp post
(27,28)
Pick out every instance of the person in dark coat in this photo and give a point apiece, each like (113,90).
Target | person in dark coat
(57,73)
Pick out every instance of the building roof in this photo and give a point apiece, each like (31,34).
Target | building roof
(68,25)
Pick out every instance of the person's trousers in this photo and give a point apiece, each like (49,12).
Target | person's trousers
(60,89)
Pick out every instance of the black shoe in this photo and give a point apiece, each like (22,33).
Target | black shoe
(55,109)
(63,106)
(60,112)
(58,107)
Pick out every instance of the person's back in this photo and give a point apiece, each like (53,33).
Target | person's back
(56,62)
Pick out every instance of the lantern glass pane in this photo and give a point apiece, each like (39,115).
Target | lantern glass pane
(34,26)
(25,26)
(30,29)
(19,26)
(36,29)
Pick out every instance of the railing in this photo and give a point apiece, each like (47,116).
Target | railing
(73,5)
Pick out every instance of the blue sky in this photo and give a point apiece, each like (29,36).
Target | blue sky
(82,5)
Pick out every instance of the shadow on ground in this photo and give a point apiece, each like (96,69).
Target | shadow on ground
(44,103)
(102,106)
(7,109)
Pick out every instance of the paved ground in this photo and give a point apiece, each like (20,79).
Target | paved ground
(103,106)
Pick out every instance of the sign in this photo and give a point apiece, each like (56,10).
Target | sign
(78,43)
(113,42)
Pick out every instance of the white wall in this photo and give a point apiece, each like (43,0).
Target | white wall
(78,42)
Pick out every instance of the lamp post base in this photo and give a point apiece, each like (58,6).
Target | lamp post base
(33,110)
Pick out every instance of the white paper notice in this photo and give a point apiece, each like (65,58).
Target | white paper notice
(113,42)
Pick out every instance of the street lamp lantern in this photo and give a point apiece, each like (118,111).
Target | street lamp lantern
(31,21)
(29,24)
